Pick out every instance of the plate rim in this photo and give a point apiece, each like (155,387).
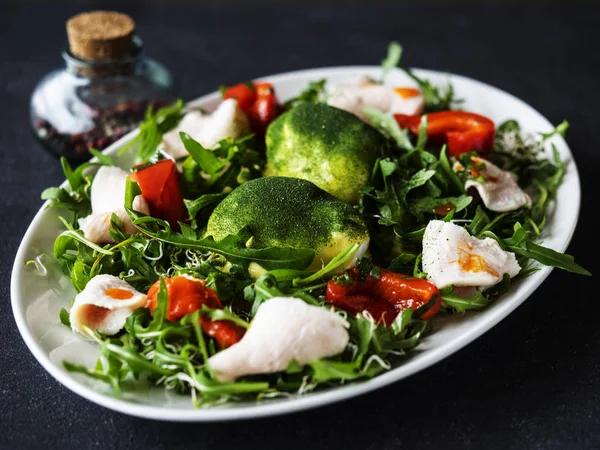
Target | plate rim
(327,397)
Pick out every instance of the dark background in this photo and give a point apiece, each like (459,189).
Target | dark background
(531,382)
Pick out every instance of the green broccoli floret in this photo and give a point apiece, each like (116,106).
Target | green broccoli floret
(289,212)
(325,145)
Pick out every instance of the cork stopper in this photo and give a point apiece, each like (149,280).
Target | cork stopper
(100,34)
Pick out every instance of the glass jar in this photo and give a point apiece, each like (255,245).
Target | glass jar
(90,103)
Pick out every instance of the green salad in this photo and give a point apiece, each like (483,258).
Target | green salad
(275,248)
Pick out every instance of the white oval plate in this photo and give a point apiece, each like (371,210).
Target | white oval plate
(37,298)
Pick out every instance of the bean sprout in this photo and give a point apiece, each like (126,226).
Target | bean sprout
(153,258)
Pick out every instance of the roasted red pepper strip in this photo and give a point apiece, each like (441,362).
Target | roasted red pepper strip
(224,332)
(265,109)
(187,295)
(160,188)
(258,101)
(384,297)
(245,95)
(463,131)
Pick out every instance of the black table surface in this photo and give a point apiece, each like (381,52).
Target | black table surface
(530,382)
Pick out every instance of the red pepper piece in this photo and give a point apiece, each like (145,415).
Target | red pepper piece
(265,109)
(384,297)
(243,93)
(187,295)
(160,188)
(381,310)
(463,131)
(224,332)
(258,101)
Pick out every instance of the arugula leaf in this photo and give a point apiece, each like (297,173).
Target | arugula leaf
(81,274)
(98,375)
(479,222)
(549,257)
(212,387)
(265,287)
(520,235)
(417,272)
(152,129)
(65,317)
(422,139)
(159,315)
(206,159)
(156,323)
(326,370)
(149,137)
(333,265)
(386,339)
(72,178)
(232,247)
(77,178)
(392,59)
(417,180)
(386,123)
(132,190)
(312,94)
(402,320)
(77,198)
(61,198)
(238,161)
(187,231)
(137,363)
(427,205)
(364,330)
(162,354)
(194,320)
(103,159)
(560,130)
(196,205)
(436,99)
(509,126)
(447,169)
(500,288)
(555,180)
(417,157)
(388,167)
(403,263)
(223,314)
(64,241)
(459,303)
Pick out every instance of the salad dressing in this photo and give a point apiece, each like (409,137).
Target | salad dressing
(443,210)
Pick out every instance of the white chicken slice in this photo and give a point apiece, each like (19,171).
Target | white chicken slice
(500,192)
(284,329)
(451,256)
(107,197)
(356,96)
(228,120)
(108,189)
(104,305)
